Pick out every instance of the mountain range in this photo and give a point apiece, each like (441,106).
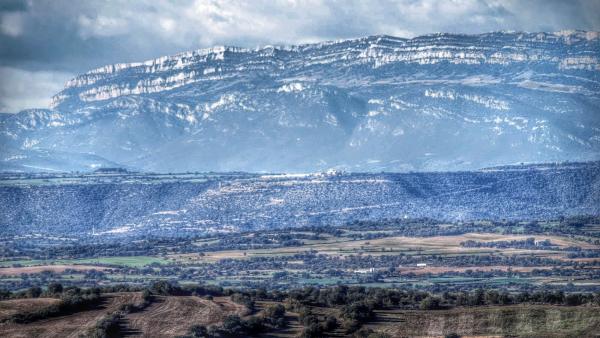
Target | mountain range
(380,103)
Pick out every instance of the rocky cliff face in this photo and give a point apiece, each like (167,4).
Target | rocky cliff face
(437,102)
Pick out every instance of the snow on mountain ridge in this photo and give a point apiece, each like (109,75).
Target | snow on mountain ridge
(170,72)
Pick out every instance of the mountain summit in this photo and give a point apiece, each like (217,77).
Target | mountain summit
(435,102)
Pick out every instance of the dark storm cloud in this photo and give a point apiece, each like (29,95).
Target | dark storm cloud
(69,37)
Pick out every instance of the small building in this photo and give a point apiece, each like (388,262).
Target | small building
(421,265)
(370,270)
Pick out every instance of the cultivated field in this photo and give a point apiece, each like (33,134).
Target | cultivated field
(166,317)
(132,261)
(425,254)
(387,246)
(522,321)
(173,316)
(15,271)
(72,326)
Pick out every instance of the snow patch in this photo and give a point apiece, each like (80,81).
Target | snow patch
(293,87)
(486,101)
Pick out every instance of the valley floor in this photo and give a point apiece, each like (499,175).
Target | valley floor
(426,255)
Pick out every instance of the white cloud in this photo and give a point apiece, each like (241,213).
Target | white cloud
(21,89)
(201,23)
(11,23)
(102,26)
(168,24)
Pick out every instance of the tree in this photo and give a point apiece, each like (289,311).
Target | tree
(198,331)
(232,324)
(477,298)
(358,311)
(4,294)
(55,288)
(162,288)
(253,325)
(573,299)
(330,324)
(274,311)
(34,292)
(275,315)
(243,299)
(312,330)
(430,303)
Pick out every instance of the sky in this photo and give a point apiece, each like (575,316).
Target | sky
(44,43)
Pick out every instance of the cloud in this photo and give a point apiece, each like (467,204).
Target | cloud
(13,5)
(21,89)
(101,26)
(79,35)
(75,36)
(11,23)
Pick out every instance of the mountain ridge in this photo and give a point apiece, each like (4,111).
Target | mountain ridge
(434,102)
(217,52)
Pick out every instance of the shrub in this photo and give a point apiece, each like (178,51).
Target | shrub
(109,326)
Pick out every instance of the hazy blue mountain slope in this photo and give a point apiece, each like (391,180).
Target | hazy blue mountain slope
(437,102)
(139,204)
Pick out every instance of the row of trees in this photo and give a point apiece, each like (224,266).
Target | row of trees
(377,298)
